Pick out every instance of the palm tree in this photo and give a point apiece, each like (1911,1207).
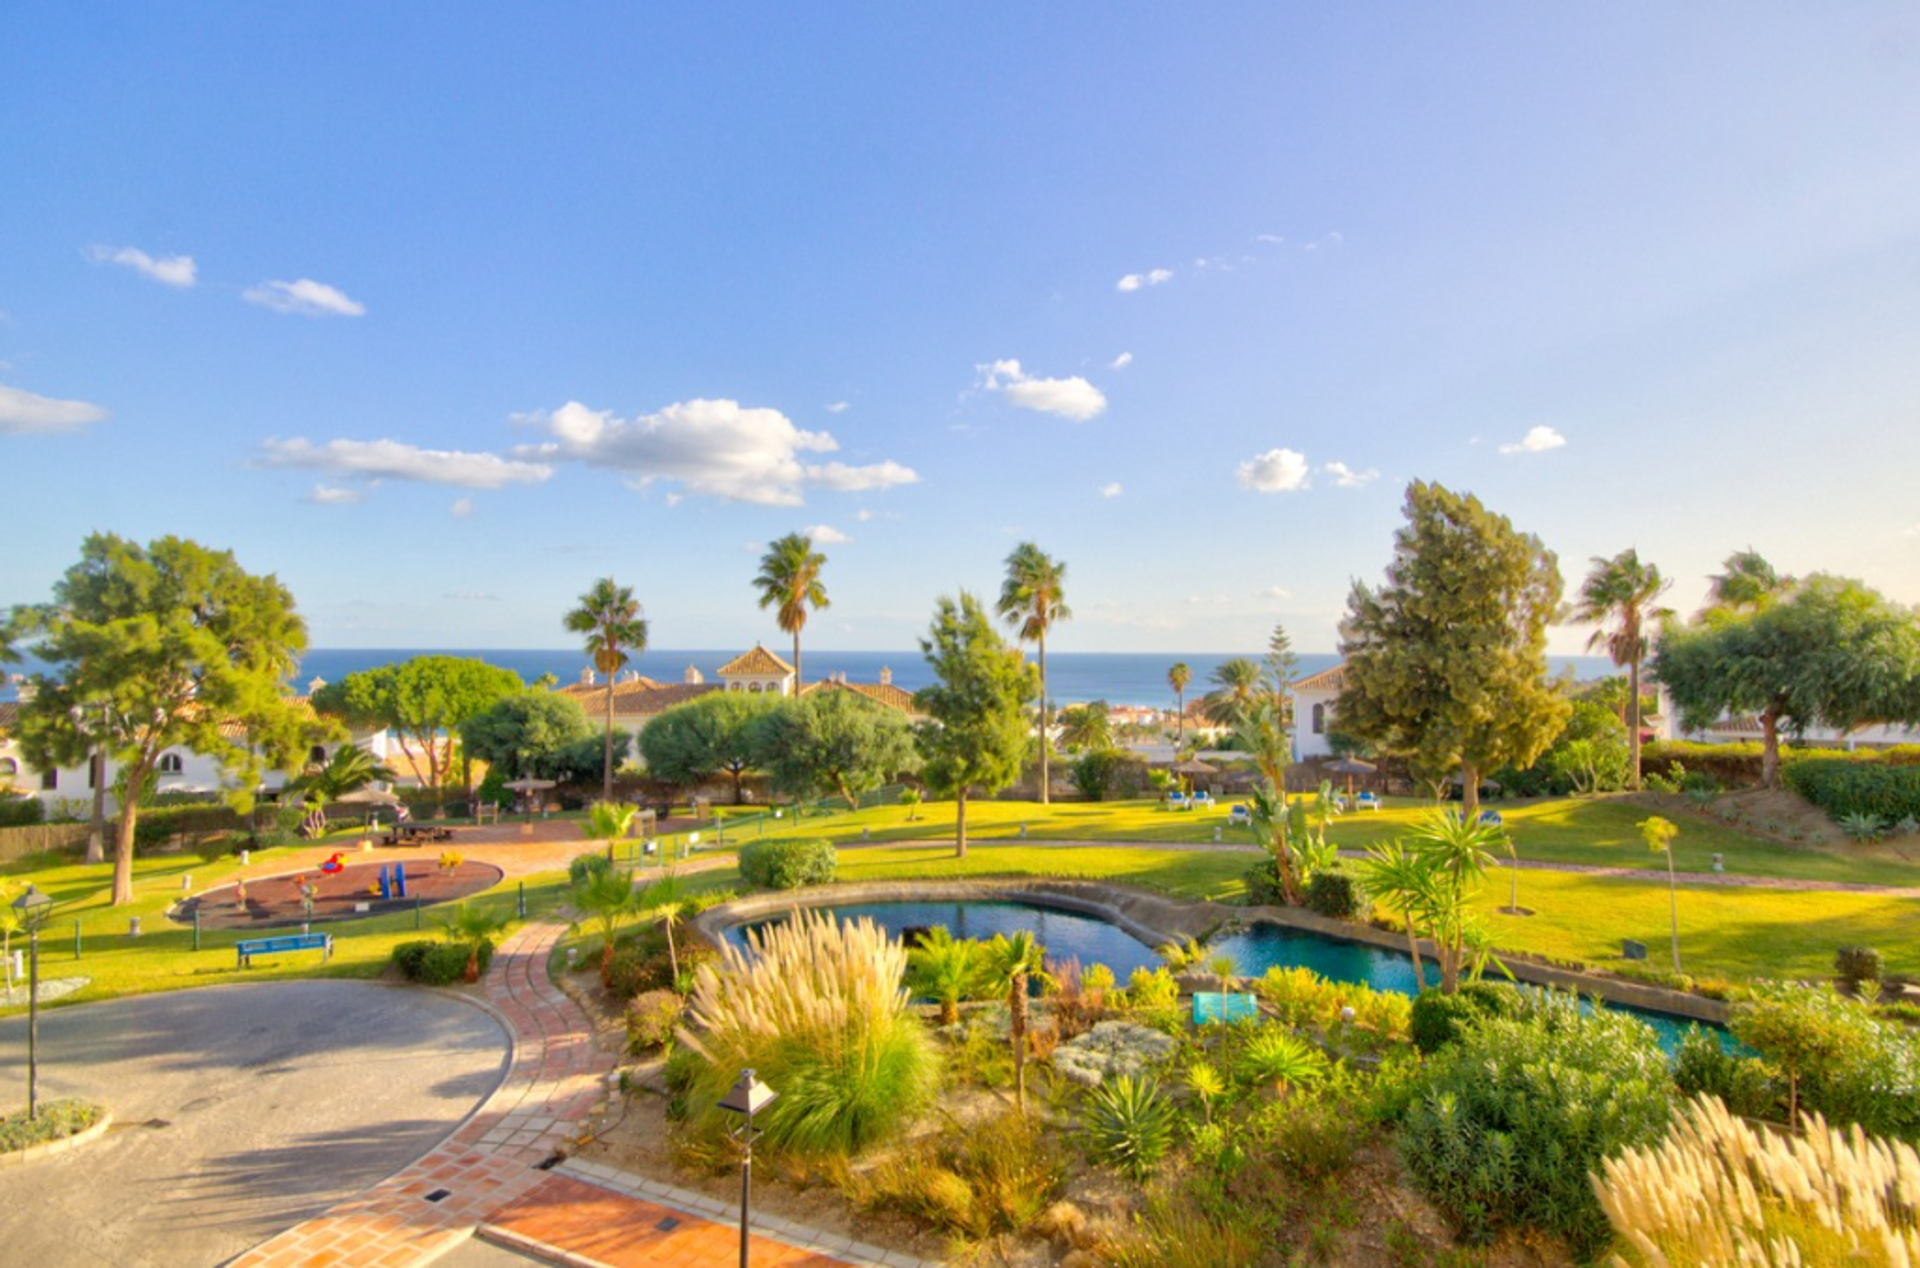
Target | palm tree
(666,902)
(1032,598)
(1010,963)
(944,969)
(350,769)
(1749,583)
(1086,726)
(789,579)
(1398,881)
(474,927)
(1620,592)
(610,617)
(1178,677)
(1236,681)
(609,821)
(605,897)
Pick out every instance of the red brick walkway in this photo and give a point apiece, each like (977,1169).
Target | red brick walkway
(555,1081)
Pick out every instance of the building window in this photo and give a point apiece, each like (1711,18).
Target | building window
(49,780)
(1319,719)
(170,764)
(9,767)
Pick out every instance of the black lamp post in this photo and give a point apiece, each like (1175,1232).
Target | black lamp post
(33,907)
(747,1097)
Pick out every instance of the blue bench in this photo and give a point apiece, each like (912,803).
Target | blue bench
(250,947)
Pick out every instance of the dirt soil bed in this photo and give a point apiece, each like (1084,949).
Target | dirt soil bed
(274,902)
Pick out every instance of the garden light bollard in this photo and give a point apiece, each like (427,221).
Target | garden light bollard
(76,938)
(523,900)
(32,908)
(196,927)
(747,1097)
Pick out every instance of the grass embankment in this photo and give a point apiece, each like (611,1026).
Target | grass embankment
(162,957)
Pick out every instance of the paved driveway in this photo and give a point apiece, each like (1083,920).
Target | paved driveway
(238,1111)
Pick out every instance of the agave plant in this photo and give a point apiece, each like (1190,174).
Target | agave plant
(1862,826)
(1280,1058)
(1128,1124)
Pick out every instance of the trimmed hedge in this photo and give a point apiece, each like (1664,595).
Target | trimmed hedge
(788,864)
(438,963)
(1843,786)
(1738,765)
(1335,895)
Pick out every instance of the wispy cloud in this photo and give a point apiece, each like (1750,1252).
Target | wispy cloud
(172,270)
(1346,477)
(1111,490)
(1136,281)
(826,535)
(470,596)
(1276,592)
(715,448)
(461,509)
(304,298)
(334,495)
(1121,362)
(1073,398)
(1537,440)
(22,413)
(393,459)
(838,407)
(1275,471)
(1271,239)
(1326,241)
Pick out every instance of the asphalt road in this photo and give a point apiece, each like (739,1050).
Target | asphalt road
(238,1110)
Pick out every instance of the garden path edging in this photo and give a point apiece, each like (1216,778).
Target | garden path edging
(65,1143)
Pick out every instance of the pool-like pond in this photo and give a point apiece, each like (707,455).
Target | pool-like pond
(1092,940)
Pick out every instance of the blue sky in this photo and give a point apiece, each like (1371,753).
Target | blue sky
(440,311)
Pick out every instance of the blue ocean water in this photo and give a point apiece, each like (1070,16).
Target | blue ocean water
(1134,678)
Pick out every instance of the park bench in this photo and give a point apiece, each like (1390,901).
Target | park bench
(250,947)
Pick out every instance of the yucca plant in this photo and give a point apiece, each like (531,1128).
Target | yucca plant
(1279,1058)
(1188,953)
(815,1007)
(1011,964)
(1128,1124)
(665,901)
(1206,1083)
(1718,1192)
(944,969)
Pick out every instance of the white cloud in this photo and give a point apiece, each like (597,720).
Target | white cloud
(826,535)
(333,495)
(1537,440)
(1346,477)
(1152,277)
(1073,398)
(303,298)
(24,414)
(1110,490)
(716,448)
(462,508)
(1272,239)
(1332,239)
(393,459)
(863,515)
(173,270)
(838,407)
(1276,592)
(1275,471)
(470,596)
(1121,362)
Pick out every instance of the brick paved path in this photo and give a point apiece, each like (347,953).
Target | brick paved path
(555,1081)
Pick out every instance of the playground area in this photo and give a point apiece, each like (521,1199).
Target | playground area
(335,890)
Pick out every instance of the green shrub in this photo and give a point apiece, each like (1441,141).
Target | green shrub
(1263,884)
(1835,1057)
(1438,1019)
(1509,1119)
(788,864)
(433,963)
(57,1120)
(585,867)
(651,1019)
(1128,1124)
(1152,997)
(214,848)
(1703,1066)
(1856,965)
(1851,790)
(1334,894)
(21,812)
(1103,773)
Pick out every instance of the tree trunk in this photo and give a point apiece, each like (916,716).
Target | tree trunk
(1413,949)
(1046,789)
(960,824)
(1017,1023)
(606,774)
(1469,791)
(1633,724)
(123,846)
(1180,722)
(97,834)
(1770,748)
(796,665)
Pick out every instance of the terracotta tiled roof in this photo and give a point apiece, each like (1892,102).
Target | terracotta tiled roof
(236,731)
(758,663)
(1334,680)
(598,690)
(9,715)
(632,700)
(879,692)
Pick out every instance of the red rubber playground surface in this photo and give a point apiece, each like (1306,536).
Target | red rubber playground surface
(351,893)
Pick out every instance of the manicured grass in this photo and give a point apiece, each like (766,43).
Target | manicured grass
(1724,931)
(162,957)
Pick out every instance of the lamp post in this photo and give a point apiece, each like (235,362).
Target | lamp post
(746,1098)
(33,907)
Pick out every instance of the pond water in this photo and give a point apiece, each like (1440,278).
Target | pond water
(1091,940)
